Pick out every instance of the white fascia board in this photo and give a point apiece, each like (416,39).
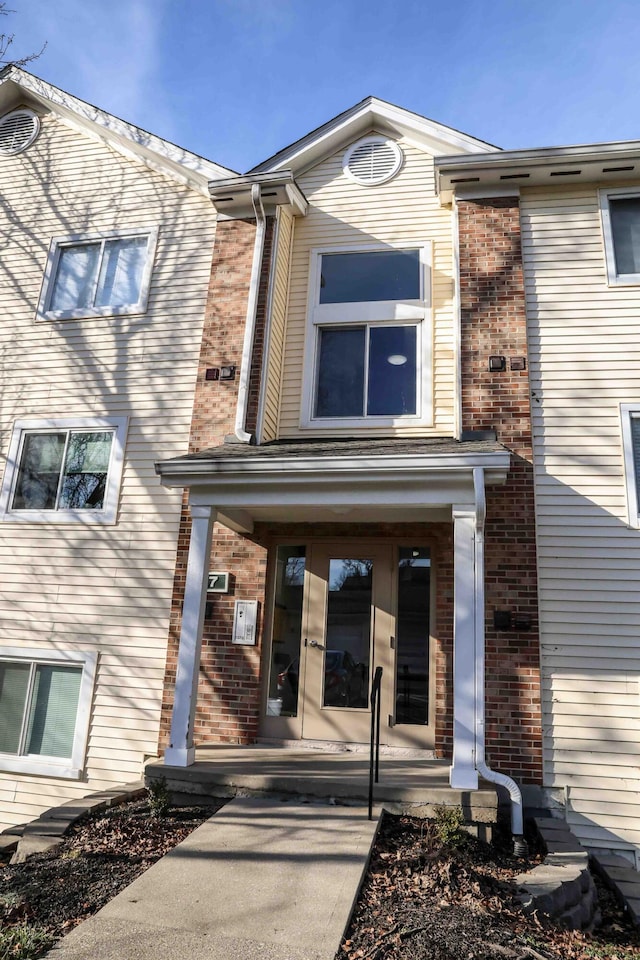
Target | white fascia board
(435,138)
(159,154)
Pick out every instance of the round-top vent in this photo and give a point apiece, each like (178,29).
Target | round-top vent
(17,131)
(372,160)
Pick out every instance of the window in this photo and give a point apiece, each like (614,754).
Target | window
(45,703)
(630,414)
(621,229)
(98,276)
(367,350)
(64,470)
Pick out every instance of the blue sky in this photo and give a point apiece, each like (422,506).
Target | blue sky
(237,80)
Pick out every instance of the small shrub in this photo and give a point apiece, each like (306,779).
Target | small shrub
(159,798)
(24,942)
(450,826)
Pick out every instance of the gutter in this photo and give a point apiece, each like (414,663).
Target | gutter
(485,771)
(250,324)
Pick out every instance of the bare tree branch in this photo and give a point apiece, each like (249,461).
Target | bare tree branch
(6,43)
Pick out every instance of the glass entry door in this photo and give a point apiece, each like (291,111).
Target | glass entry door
(348,633)
(340,611)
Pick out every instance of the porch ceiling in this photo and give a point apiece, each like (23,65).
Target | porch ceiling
(329,480)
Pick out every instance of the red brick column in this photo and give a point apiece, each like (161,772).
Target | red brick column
(228,694)
(494,323)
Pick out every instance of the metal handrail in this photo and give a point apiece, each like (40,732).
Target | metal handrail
(374,758)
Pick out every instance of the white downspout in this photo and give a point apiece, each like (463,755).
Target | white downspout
(250,324)
(500,778)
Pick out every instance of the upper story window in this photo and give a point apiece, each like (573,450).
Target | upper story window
(64,470)
(621,228)
(630,414)
(367,350)
(45,705)
(98,276)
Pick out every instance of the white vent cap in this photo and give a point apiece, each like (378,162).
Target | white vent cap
(372,160)
(18,130)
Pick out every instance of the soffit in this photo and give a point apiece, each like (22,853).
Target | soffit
(551,166)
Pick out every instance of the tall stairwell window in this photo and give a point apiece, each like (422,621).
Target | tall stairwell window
(630,414)
(368,343)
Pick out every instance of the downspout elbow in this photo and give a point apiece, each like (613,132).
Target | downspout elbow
(250,324)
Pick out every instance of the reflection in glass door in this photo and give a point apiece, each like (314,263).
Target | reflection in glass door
(347,656)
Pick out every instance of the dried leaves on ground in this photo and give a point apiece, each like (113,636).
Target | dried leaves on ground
(44,898)
(423,900)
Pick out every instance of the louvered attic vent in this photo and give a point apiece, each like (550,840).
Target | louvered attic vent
(18,130)
(372,160)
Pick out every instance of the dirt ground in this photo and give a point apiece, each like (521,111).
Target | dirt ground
(421,900)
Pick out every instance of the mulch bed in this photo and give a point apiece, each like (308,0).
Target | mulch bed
(102,854)
(422,900)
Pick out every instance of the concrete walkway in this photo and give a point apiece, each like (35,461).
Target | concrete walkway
(261,879)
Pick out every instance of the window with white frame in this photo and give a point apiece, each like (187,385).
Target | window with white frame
(64,470)
(98,276)
(620,210)
(367,348)
(45,707)
(630,414)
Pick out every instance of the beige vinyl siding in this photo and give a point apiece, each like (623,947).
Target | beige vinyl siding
(344,213)
(108,589)
(277,323)
(584,353)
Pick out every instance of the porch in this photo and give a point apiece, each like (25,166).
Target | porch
(408,784)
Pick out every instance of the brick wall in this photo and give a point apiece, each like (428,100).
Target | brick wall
(494,323)
(229,674)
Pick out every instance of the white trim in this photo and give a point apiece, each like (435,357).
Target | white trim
(457,324)
(383,313)
(358,120)
(266,353)
(71,768)
(181,749)
(107,515)
(613,277)
(154,152)
(629,411)
(51,269)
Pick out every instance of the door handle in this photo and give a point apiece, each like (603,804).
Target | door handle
(313,643)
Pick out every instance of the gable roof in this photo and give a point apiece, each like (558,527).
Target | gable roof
(371,113)
(158,154)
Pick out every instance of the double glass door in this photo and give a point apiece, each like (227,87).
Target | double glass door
(341,610)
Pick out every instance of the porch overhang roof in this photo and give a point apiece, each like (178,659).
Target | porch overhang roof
(382,480)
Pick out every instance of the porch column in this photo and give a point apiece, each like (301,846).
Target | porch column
(463,774)
(181,750)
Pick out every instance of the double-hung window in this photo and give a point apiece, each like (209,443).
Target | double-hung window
(45,704)
(630,414)
(98,276)
(64,470)
(620,210)
(368,346)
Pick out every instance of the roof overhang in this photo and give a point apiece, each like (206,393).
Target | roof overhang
(371,114)
(368,488)
(509,170)
(18,85)
(232,195)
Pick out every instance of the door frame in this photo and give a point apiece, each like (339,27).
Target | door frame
(420,736)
